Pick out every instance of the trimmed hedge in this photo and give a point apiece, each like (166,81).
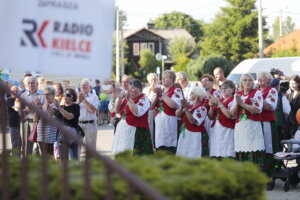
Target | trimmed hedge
(176,177)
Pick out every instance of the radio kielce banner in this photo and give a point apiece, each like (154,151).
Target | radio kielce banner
(71,37)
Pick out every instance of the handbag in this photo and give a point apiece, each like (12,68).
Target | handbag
(33,133)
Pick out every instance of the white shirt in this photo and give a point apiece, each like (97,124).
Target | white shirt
(27,96)
(286,107)
(187,91)
(85,115)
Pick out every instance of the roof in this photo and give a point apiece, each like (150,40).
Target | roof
(292,40)
(289,65)
(167,34)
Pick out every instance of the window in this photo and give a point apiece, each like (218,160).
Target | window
(143,46)
(136,49)
(151,47)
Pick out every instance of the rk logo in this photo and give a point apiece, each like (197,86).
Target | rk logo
(34,34)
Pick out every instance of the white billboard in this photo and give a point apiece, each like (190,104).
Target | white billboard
(63,37)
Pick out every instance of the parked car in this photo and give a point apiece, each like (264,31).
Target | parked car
(288,65)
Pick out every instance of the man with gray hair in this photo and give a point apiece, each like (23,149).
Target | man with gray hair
(31,93)
(88,103)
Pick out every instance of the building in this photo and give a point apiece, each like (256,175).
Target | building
(155,40)
(292,40)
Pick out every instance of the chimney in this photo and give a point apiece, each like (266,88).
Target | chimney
(150,26)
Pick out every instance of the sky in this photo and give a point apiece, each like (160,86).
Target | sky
(139,12)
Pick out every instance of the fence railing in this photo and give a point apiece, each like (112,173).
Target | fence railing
(135,184)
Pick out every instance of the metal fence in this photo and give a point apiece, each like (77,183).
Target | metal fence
(135,184)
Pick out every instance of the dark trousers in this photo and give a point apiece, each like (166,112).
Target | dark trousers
(16,140)
(48,149)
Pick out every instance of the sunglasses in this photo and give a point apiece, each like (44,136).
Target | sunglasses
(68,95)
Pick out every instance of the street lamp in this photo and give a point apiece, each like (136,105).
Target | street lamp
(161,58)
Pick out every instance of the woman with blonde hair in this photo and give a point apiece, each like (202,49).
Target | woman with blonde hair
(248,134)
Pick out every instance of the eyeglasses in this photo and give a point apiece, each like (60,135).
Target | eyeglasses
(68,95)
(250,80)
(47,94)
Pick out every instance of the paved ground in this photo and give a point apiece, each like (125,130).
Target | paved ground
(105,139)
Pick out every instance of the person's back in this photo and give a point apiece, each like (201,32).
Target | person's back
(97,87)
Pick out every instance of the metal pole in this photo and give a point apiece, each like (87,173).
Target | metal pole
(260,31)
(162,65)
(118,46)
(122,49)
(280,24)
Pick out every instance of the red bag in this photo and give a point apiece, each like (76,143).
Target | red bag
(33,133)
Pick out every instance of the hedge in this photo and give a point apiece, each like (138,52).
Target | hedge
(176,177)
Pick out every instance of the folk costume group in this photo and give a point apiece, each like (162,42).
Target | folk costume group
(217,123)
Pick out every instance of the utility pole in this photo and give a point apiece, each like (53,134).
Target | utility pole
(280,24)
(118,46)
(122,47)
(260,31)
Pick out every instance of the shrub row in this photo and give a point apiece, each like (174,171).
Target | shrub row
(176,177)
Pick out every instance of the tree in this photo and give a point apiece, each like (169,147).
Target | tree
(179,20)
(148,63)
(287,27)
(180,46)
(180,50)
(205,65)
(233,33)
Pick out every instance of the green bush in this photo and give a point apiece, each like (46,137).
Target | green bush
(206,65)
(176,177)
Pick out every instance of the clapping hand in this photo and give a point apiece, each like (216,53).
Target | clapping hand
(56,103)
(81,97)
(127,96)
(158,91)
(184,103)
(239,100)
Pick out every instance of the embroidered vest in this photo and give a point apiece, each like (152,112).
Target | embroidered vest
(134,120)
(192,127)
(167,109)
(267,115)
(224,121)
(254,117)
(123,104)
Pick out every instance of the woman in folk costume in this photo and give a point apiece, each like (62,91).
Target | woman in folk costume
(132,131)
(167,101)
(192,124)
(150,94)
(208,82)
(222,129)
(248,134)
(271,137)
